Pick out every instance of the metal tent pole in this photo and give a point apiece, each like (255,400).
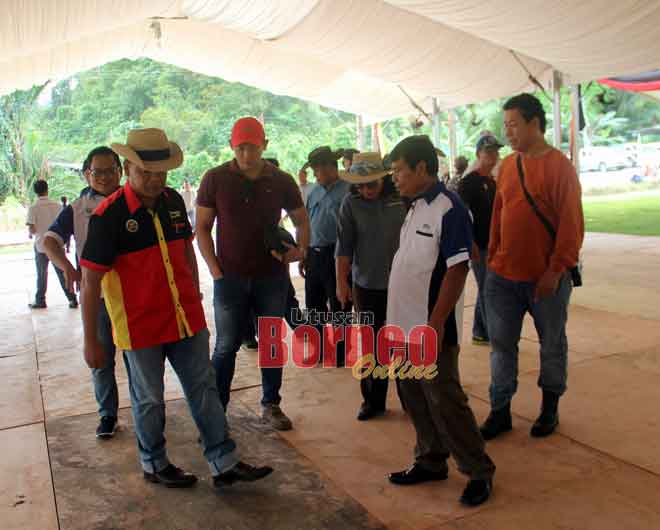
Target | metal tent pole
(556,108)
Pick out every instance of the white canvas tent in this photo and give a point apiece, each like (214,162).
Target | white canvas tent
(353,55)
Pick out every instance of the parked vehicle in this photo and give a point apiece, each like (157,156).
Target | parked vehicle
(606,158)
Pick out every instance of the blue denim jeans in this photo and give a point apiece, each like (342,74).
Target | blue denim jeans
(508,301)
(234,300)
(41,262)
(479,268)
(190,360)
(105,383)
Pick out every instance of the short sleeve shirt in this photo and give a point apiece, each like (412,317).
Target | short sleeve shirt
(436,235)
(323,206)
(478,194)
(41,214)
(244,208)
(148,287)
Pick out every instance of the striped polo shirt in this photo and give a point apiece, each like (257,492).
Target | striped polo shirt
(436,235)
(148,284)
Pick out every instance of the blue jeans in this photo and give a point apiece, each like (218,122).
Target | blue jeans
(105,383)
(234,300)
(41,261)
(190,360)
(508,301)
(479,268)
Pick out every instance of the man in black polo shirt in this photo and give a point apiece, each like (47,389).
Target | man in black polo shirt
(247,196)
(477,189)
(139,250)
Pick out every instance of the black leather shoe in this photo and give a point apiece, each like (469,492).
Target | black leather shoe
(172,477)
(37,305)
(476,492)
(416,475)
(548,420)
(367,412)
(241,472)
(498,422)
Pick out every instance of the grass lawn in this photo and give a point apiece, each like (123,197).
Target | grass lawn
(632,214)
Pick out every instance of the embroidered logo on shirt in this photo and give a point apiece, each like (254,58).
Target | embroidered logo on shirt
(132,225)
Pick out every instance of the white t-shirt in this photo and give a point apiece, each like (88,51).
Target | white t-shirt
(41,214)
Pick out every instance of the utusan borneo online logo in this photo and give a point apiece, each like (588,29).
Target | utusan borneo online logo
(390,354)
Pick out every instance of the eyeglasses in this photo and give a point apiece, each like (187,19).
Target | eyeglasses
(107,172)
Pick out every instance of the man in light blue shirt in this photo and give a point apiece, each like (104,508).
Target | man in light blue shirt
(318,268)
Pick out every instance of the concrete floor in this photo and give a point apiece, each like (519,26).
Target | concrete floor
(601,471)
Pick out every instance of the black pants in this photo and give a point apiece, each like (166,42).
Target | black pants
(373,301)
(321,289)
(444,421)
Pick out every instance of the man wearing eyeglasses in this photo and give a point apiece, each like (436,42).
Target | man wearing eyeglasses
(102,170)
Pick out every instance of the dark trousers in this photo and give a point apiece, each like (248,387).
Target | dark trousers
(292,304)
(444,421)
(321,288)
(374,302)
(41,261)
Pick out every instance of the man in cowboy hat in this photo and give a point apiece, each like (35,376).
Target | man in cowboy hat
(367,238)
(319,267)
(139,251)
(247,196)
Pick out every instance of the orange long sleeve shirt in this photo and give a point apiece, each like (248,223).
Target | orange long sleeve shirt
(520,248)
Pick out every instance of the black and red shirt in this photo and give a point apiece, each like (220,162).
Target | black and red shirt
(148,287)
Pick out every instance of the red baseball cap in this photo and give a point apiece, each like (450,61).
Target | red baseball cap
(247,131)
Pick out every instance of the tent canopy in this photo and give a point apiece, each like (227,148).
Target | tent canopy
(351,55)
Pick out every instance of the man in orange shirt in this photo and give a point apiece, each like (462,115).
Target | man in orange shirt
(528,266)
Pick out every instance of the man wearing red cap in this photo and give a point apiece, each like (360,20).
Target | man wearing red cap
(247,196)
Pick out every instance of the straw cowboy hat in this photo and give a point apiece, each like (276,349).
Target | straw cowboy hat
(150,150)
(366,167)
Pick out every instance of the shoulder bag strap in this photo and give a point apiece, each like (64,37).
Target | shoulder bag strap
(548,226)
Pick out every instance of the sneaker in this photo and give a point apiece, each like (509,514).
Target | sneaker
(498,422)
(476,492)
(250,344)
(73,304)
(273,415)
(480,341)
(107,427)
(37,305)
(171,477)
(241,472)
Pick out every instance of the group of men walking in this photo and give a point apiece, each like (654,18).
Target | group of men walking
(384,236)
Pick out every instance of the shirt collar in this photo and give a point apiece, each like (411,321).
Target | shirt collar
(430,194)
(132,199)
(266,171)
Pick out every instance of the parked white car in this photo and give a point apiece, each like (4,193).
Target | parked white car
(605,158)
